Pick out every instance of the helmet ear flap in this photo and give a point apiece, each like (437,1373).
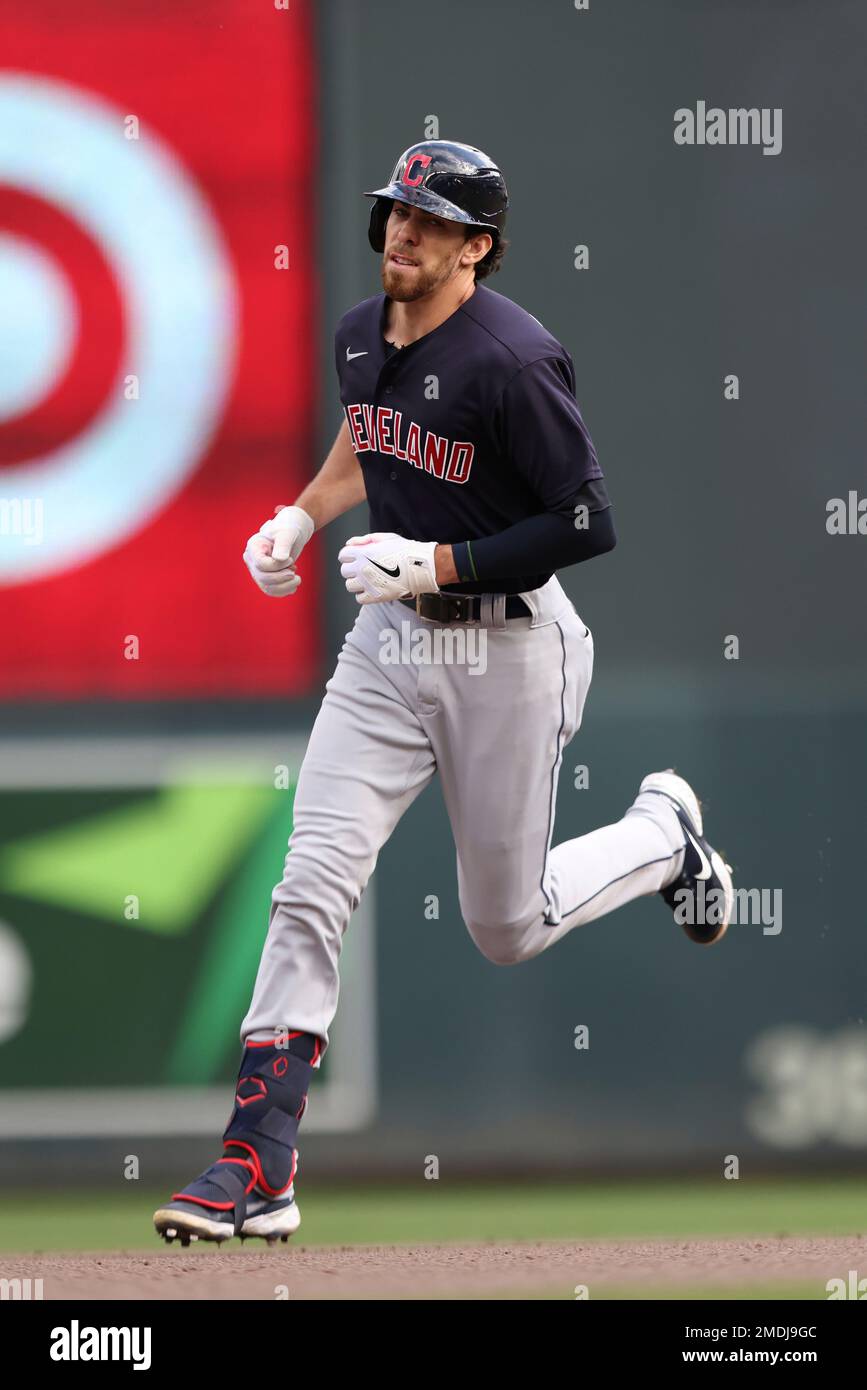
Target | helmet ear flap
(378,218)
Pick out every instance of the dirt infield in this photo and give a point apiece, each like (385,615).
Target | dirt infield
(438,1271)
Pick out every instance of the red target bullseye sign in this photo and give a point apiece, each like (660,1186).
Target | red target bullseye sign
(75,387)
(156,368)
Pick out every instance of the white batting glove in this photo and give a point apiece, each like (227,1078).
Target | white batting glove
(270,555)
(384,566)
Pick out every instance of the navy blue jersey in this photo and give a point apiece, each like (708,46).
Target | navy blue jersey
(466,431)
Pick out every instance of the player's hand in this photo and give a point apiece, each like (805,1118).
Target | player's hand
(270,555)
(384,566)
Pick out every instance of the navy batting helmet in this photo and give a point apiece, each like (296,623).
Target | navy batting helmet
(457,182)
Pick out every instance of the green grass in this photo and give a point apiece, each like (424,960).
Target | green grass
(436,1212)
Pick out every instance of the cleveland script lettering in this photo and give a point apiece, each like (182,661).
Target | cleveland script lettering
(381,430)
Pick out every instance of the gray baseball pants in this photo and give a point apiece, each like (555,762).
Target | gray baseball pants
(495,731)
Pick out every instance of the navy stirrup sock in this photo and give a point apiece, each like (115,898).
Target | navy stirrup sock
(270,1098)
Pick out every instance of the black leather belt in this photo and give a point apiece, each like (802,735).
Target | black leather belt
(460,608)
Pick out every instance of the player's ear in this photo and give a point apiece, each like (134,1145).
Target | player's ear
(476,248)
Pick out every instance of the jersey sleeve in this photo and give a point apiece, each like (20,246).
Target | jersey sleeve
(538,428)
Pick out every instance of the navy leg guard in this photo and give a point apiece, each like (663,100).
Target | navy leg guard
(270,1098)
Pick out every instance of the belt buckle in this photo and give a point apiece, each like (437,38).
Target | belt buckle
(444,608)
(458,608)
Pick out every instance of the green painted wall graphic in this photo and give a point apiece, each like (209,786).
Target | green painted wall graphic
(132,919)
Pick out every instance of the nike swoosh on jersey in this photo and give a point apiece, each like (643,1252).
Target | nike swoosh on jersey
(350,355)
(705,864)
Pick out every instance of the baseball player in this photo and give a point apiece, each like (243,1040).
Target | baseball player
(462,431)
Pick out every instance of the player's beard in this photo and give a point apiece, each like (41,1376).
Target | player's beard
(407,285)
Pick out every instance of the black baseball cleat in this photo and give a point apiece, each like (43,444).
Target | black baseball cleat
(224,1202)
(701,897)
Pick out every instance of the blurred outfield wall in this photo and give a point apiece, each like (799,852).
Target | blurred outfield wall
(703,262)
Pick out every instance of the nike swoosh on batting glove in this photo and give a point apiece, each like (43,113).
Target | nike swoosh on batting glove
(384,566)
